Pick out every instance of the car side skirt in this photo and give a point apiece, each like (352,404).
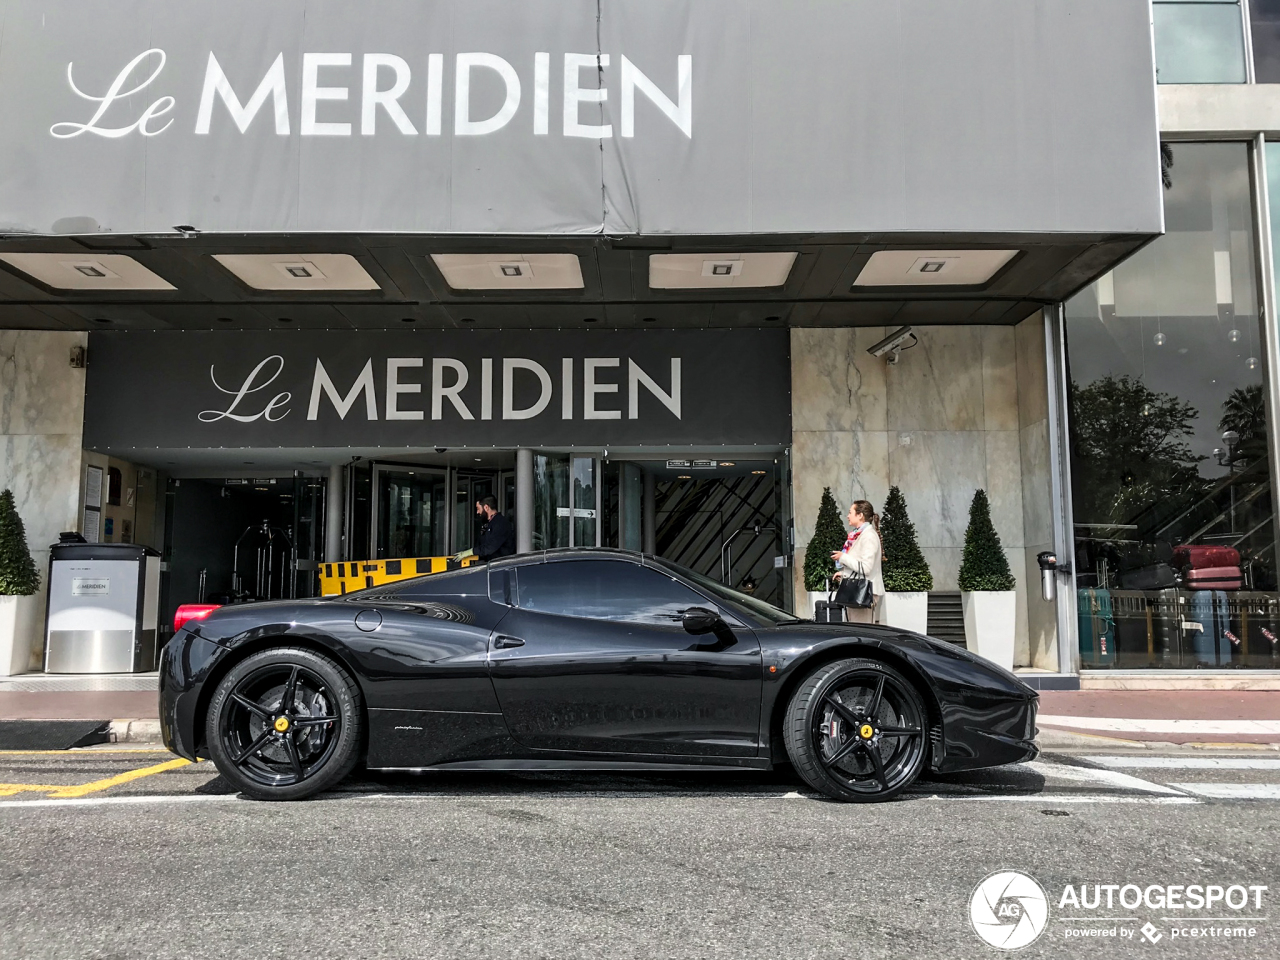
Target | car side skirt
(511,765)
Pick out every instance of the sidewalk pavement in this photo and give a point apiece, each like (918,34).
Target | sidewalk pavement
(1165,716)
(1147,716)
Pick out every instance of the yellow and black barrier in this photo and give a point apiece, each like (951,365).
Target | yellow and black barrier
(339,578)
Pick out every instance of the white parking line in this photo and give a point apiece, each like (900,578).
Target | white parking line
(1233,791)
(1054,800)
(1189,727)
(1111,778)
(1187,763)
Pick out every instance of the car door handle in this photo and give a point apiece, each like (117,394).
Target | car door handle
(501,642)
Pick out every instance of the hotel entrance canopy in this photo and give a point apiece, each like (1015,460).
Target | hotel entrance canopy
(905,160)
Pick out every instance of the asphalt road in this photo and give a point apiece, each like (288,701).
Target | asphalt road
(171,864)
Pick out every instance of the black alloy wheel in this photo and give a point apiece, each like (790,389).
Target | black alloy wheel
(857,730)
(285,724)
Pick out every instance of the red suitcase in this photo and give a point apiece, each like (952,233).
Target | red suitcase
(1205,557)
(1214,578)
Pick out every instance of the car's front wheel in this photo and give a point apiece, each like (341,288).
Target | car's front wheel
(857,730)
(285,724)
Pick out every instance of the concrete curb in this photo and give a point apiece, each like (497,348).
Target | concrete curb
(1050,739)
(135,731)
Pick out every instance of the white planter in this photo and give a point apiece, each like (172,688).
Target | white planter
(19,632)
(906,611)
(990,622)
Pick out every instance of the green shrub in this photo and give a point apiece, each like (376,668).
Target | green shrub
(828,536)
(985,566)
(18,576)
(905,569)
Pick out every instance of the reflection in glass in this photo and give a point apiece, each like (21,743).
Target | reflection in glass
(550,502)
(1199,41)
(1171,484)
(1264,17)
(411,514)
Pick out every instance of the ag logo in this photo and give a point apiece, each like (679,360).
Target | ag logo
(1008,910)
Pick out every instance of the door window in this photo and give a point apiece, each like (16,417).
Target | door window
(604,590)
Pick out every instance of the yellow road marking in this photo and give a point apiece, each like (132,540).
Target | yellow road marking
(82,751)
(98,785)
(9,789)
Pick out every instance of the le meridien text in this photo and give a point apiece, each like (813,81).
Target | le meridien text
(513,388)
(391,96)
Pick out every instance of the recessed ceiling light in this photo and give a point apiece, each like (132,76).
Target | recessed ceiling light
(225,320)
(648,319)
(726,463)
(515,271)
(588,319)
(684,476)
(108,271)
(896,268)
(758,473)
(676,271)
(771,319)
(293,271)
(285,319)
(408,319)
(477,460)
(468,319)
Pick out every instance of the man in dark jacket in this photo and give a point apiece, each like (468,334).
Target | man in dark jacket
(497,536)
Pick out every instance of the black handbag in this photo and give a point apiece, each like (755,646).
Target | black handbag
(855,591)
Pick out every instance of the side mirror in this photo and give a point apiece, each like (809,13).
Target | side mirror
(699,619)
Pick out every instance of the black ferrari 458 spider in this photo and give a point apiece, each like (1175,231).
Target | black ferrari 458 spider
(576,660)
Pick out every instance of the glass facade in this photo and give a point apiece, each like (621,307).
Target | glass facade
(1199,41)
(564,501)
(1175,539)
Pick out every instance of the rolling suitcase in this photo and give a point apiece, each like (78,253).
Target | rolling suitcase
(1200,557)
(1097,628)
(824,611)
(1207,619)
(1213,578)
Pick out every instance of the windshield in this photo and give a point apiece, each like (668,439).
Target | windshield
(746,604)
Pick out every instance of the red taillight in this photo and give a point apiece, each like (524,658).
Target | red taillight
(192,611)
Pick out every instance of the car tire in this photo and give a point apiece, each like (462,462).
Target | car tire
(857,730)
(285,724)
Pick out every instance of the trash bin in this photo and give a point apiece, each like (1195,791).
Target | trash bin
(104,605)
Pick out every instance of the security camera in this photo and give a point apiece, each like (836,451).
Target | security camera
(891,346)
(441,449)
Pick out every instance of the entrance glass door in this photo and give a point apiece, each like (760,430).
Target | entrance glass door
(566,501)
(410,512)
(466,522)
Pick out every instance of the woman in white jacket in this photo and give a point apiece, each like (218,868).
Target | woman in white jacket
(861,555)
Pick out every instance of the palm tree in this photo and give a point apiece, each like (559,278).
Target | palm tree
(1245,412)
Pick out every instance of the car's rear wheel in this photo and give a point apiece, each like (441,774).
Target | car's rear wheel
(285,724)
(857,730)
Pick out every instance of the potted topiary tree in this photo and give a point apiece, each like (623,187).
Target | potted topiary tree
(828,537)
(986,585)
(18,583)
(907,580)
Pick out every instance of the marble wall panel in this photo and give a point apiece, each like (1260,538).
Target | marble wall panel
(999,379)
(43,470)
(1042,617)
(1021,645)
(938,471)
(1033,377)
(1037,518)
(937,385)
(835,383)
(944,564)
(39,390)
(1004,485)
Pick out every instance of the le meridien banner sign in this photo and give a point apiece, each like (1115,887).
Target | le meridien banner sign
(451,388)
(578,116)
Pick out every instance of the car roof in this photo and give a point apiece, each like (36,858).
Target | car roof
(570,553)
